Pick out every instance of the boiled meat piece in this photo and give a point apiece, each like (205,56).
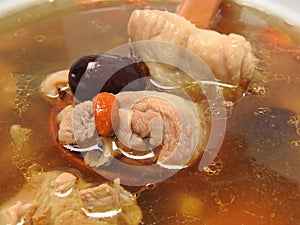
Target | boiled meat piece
(77,124)
(229,57)
(65,133)
(163,121)
(59,198)
(63,183)
(148,124)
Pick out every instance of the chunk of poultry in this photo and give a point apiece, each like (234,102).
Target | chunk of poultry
(57,198)
(151,119)
(229,57)
(77,124)
(148,120)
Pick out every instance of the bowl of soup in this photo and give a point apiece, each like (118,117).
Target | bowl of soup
(96,94)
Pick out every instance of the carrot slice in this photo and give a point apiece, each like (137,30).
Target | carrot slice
(280,41)
(199,12)
(88,2)
(139,3)
(276,38)
(105,112)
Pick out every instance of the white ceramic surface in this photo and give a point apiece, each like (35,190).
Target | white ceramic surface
(289,10)
(8,7)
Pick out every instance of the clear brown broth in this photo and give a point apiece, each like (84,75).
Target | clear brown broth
(259,178)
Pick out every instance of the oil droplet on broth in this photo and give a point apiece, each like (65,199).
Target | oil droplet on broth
(147,187)
(25,89)
(39,38)
(150,186)
(214,168)
(295,143)
(262,111)
(294,119)
(21,32)
(256,89)
(223,198)
(20,137)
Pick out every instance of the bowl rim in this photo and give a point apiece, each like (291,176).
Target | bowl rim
(8,7)
(288,10)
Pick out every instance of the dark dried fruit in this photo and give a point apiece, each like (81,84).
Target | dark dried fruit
(104,72)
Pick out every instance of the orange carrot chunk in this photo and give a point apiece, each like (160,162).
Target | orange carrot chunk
(276,38)
(88,2)
(280,41)
(199,12)
(105,112)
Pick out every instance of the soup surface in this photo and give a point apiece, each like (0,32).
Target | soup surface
(255,179)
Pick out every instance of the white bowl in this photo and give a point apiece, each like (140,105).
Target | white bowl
(8,7)
(289,10)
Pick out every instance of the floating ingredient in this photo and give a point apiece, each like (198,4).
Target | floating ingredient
(104,72)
